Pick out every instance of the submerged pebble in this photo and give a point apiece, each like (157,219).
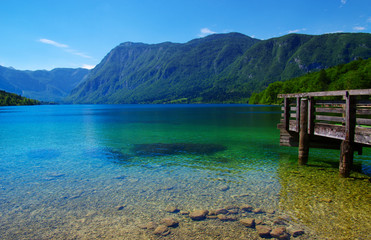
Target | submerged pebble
(263,231)
(223,188)
(172,209)
(198,215)
(280,233)
(248,222)
(170,222)
(224,218)
(162,230)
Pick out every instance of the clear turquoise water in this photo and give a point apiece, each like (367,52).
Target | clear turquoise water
(66,169)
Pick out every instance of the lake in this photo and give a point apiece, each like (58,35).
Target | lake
(104,171)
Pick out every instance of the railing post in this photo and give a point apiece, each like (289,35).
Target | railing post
(286,114)
(311,110)
(298,114)
(347,148)
(303,134)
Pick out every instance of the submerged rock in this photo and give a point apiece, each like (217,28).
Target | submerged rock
(258,211)
(280,233)
(162,230)
(184,213)
(231,207)
(170,222)
(233,211)
(150,225)
(225,218)
(220,211)
(248,222)
(120,207)
(247,208)
(296,232)
(223,188)
(172,209)
(263,231)
(198,215)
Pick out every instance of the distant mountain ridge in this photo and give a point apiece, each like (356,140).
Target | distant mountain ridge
(217,68)
(42,85)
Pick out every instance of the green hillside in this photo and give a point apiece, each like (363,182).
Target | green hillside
(51,86)
(354,75)
(219,68)
(11,99)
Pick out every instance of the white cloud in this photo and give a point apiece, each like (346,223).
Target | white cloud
(343,2)
(369,20)
(205,31)
(51,42)
(64,46)
(86,66)
(357,28)
(297,30)
(77,53)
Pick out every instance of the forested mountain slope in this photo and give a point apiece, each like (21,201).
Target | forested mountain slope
(218,68)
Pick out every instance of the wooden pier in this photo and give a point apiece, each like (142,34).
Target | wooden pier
(333,120)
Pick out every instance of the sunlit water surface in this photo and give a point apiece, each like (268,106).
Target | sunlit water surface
(100,171)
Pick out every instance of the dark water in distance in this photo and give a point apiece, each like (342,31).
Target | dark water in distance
(65,169)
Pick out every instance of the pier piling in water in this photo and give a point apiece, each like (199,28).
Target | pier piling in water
(303,133)
(313,120)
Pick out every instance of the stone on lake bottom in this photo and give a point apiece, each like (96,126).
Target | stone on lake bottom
(233,211)
(231,207)
(119,208)
(258,210)
(258,222)
(297,232)
(162,230)
(150,225)
(184,213)
(280,233)
(271,211)
(172,209)
(170,222)
(248,222)
(225,218)
(223,188)
(198,215)
(264,231)
(279,222)
(221,211)
(247,208)
(212,213)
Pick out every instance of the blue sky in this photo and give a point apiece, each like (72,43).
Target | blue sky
(46,34)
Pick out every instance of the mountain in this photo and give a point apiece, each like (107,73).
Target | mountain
(143,73)
(217,68)
(353,75)
(43,85)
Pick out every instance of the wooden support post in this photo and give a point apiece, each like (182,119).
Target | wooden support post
(286,114)
(347,148)
(303,134)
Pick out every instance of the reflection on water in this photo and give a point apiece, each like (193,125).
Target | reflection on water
(87,172)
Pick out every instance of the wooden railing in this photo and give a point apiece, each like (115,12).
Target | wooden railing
(342,116)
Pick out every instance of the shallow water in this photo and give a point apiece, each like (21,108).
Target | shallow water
(100,171)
